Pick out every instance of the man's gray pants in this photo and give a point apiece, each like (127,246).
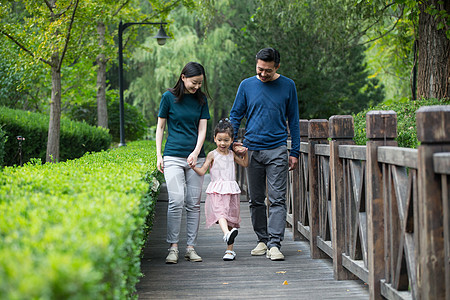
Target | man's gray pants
(269,166)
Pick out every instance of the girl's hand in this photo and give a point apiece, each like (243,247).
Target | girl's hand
(192,160)
(160,163)
(239,149)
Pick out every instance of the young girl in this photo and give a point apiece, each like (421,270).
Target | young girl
(223,194)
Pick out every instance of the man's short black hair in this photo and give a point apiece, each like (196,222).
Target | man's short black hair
(268,55)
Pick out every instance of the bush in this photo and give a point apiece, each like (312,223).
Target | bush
(2,146)
(75,230)
(75,138)
(135,127)
(406,120)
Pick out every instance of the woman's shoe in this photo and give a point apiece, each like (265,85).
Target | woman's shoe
(191,255)
(172,258)
(229,255)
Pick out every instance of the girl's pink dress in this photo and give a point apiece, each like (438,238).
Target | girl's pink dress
(223,193)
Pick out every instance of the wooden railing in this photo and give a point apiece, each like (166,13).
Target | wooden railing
(380,212)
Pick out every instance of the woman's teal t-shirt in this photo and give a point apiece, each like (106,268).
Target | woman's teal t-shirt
(182,123)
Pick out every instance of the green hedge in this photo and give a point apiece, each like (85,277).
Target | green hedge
(134,123)
(76,138)
(75,230)
(406,120)
(2,146)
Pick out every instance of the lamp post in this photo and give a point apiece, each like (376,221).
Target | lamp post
(161,37)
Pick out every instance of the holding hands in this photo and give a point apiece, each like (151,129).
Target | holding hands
(239,149)
(192,159)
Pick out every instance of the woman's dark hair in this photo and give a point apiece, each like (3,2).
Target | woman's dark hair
(224,126)
(191,69)
(268,55)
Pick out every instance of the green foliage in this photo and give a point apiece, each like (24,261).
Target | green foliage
(325,62)
(214,47)
(135,126)
(75,230)
(76,138)
(406,120)
(2,146)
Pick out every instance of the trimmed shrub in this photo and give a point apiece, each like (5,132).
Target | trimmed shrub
(75,230)
(134,123)
(2,146)
(406,120)
(75,138)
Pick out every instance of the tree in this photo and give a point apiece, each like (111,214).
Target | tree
(326,63)
(434,49)
(46,36)
(427,38)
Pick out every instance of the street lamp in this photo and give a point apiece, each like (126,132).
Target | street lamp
(161,37)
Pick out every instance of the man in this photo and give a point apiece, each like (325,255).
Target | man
(267,101)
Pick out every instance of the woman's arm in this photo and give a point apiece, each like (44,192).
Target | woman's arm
(192,158)
(208,162)
(159,137)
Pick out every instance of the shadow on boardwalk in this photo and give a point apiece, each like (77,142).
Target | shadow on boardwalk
(248,277)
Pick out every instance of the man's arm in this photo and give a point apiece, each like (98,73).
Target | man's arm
(238,110)
(294,128)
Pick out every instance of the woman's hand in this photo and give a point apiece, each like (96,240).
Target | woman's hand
(160,163)
(192,159)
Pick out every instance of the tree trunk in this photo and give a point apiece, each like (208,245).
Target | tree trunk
(55,112)
(434,55)
(102,111)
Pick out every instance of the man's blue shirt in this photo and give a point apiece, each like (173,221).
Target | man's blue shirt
(267,106)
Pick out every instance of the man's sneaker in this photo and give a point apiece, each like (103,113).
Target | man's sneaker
(260,249)
(229,255)
(172,258)
(275,254)
(192,255)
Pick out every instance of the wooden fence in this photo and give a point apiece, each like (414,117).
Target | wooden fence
(379,211)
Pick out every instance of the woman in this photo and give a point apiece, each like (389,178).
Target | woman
(185,110)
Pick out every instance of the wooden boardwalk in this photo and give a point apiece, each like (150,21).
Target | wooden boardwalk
(248,277)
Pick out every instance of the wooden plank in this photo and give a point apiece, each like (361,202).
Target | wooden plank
(304,147)
(381,129)
(323,150)
(445,182)
(433,131)
(352,152)
(304,230)
(356,267)
(404,157)
(317,133)
(441,162)
(248,277)
(325,246)
(392,294)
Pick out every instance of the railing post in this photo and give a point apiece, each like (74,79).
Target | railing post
(317,134)
(297,184)
(341,132)
(381,130)
(433,131)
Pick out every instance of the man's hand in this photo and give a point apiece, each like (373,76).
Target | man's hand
(239,149)
(293,163)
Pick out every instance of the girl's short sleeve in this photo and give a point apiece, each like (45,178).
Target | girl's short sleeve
(164,107)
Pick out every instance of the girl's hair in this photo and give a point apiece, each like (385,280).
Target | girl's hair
(191,69)
(224,125)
